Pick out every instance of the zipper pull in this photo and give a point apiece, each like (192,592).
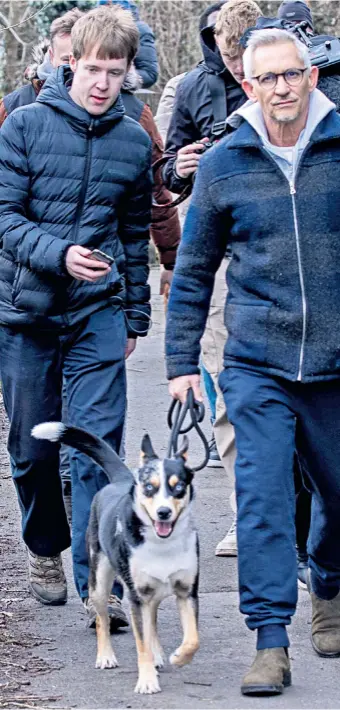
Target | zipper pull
(91,125)
(292,188)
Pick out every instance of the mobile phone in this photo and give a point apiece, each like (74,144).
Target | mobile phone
(101,256)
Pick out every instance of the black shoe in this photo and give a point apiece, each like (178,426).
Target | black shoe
(214,457)
(302,571)
(118,618)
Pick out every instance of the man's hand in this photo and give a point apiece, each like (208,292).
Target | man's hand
(81,267)
(188,158)
(179,387)
(165,282)
(130,346)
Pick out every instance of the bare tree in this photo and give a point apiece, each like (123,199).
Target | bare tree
(17,41)
(176,22)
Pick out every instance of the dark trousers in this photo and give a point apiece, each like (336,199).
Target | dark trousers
(33,365)
(271,416)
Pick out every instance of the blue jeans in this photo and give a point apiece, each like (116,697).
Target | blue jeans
(272,415)
(33,364)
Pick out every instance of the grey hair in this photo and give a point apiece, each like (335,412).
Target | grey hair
(262,38)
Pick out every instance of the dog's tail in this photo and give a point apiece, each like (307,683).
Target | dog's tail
(96,448)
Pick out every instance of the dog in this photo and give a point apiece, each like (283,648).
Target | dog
(141,529)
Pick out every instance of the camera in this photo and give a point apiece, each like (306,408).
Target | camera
(206,146)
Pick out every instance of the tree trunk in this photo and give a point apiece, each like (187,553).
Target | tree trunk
(16,53)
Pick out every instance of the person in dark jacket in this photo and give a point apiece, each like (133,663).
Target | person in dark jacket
(193,114)
(75,177)
(47,56)
(271,191)
(146,61)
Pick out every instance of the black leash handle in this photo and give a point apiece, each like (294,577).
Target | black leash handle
(176,417)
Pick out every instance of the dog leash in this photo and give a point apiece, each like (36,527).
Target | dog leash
(176,416)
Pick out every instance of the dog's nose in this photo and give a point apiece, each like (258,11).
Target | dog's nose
(164,513)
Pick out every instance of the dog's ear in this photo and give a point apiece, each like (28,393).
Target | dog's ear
(183,450)
(147,451)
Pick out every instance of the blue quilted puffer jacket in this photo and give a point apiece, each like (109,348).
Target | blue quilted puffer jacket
(66,178)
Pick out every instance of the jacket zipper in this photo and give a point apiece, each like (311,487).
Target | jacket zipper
(292,190)
(84,184)
(302,283)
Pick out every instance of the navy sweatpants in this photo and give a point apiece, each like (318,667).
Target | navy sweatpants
(32,366)
(271,416)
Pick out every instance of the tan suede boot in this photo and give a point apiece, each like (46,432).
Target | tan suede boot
(269,674)
(326,626)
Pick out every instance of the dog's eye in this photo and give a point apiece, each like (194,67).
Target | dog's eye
(179,488)
(148,488)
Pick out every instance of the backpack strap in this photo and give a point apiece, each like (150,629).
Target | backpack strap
(219,104)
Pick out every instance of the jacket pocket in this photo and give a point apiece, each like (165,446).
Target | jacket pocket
(35,293)
(247,327)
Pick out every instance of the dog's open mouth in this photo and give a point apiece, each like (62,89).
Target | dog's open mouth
(163,529)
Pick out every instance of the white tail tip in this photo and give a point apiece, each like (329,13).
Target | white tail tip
(52,431)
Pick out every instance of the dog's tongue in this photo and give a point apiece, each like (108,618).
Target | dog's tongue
(163,529)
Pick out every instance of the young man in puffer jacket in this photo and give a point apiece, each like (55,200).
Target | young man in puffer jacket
(64,315)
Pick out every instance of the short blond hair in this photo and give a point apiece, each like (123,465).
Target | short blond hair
(63,25)
(112,29)
(234,18)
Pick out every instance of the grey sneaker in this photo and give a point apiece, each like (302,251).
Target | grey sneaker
(47,580)
(228,546)
(118,618)
(214,457)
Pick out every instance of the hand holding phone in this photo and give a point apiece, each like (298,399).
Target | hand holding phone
(78,264)
(101,256)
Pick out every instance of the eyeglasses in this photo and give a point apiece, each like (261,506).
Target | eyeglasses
(292,77)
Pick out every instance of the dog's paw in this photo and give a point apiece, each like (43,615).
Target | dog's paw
(147,683)
(106,660)
(158,658)
(183,655)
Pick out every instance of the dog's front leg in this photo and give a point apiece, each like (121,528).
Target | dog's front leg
(155,642)
(103,576)
(142,624)
(188,610)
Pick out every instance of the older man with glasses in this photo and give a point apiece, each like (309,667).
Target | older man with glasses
(271,190)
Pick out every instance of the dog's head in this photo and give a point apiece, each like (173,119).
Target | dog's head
(163,488)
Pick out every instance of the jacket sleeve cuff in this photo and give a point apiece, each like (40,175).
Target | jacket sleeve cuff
(174,368)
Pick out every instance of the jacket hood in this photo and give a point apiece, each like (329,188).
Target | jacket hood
(133,81)
(212,57)
(55,93)
(213,62)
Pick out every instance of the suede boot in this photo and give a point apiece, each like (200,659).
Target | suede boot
(326,626)
(269,674)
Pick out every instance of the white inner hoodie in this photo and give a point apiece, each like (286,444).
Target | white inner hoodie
(287,158)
